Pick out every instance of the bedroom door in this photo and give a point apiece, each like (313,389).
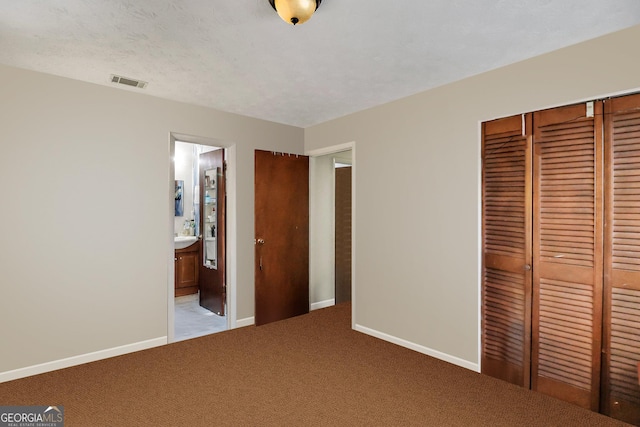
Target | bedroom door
(282,236)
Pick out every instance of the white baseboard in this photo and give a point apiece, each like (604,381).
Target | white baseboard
(419,348)
(247,321)
(78,360)
(323,304)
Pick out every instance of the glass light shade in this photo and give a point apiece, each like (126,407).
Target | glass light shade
(295,11)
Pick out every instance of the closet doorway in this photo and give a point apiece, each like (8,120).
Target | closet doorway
(561,253)
(342,226)
(332,225)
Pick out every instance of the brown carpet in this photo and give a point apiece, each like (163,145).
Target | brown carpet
(309,370)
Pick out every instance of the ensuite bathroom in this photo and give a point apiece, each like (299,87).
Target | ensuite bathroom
(199,305)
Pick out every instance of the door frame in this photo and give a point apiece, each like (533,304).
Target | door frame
(231,231)
(335,149)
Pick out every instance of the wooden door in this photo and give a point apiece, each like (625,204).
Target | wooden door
(343,234)
(506,249)
(621,392)
(567,253)
(212,278)
(282,236)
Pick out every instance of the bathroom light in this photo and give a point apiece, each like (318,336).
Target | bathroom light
(295,11)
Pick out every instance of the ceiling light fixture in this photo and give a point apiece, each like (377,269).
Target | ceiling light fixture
(295,11)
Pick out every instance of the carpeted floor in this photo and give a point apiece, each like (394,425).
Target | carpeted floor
(306,371)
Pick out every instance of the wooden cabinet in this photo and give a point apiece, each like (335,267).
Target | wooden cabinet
(186,269)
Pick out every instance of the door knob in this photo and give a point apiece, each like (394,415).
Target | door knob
(527,267)
(260,241)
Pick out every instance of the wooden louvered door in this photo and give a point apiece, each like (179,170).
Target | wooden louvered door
(567,254)
(621,392)
(506,249)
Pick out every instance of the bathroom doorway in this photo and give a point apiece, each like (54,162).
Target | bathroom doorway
(192,233)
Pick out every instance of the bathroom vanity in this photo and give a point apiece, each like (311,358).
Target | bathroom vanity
(186,263)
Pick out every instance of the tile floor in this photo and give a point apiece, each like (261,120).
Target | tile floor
(193,321)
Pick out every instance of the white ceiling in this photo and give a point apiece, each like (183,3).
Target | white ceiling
(239,56)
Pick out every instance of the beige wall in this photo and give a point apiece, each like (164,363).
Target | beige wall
(86,222)
(418,188)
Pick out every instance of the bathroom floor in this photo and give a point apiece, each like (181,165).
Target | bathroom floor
(193,321)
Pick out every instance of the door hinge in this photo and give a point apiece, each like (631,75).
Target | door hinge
(590,109)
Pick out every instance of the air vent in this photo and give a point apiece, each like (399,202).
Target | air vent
(127,81)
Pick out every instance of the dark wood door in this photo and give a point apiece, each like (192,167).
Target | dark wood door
(212,278)
(621,355)
(567,253)
(506,249)
(343,234)
(282,236)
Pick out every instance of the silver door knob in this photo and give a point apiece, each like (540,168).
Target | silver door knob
(527,267)
(260,241)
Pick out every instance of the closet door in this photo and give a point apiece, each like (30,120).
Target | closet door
(506,249)
(567,254)
(621,393)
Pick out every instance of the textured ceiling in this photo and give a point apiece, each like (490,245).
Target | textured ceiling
(239,56)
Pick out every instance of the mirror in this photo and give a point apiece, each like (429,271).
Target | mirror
(210,218)
(179,207)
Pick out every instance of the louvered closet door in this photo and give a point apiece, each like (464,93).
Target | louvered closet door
(621,393)
(506,248)
(567,254)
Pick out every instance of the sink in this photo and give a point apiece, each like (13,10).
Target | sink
(180,242)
